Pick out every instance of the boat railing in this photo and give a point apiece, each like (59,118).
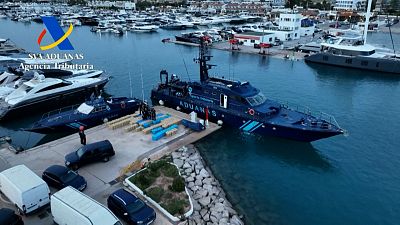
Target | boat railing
(306,110)
(59,111)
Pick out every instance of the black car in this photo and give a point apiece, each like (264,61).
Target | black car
(8,216)
(98,151)
(61,177)
(131,208)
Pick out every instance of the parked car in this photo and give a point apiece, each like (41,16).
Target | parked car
(8,216)
(98,151)
(26,190)
(131,208)
(61,177)
(71,207)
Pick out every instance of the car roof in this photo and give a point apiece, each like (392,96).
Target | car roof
(97,144)
(57,170)
(124,196)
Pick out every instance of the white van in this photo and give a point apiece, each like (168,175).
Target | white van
(71,207)
(24,188)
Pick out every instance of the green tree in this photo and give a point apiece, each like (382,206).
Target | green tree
(393,6)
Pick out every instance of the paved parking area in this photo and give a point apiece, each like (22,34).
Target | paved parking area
(101,177)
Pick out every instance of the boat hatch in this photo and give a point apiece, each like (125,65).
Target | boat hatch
(85,108)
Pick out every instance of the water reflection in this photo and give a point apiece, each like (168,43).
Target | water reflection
(345,74)
(235,144)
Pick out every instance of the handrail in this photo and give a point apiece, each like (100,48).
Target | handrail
(306,110)
(59,111)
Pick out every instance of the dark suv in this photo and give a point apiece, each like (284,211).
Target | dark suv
(98,151)
(8,216)
(131,208)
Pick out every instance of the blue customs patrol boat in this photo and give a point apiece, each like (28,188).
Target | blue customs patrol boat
(240,105)
(88,114)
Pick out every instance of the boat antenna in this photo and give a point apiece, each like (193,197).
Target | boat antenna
(366,23)
(184,63)
(141,77)
(203,59)
(390,32)
(130,83)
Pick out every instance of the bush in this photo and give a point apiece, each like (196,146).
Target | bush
(142,180)
(155,193)
(175,206)
(170,171)
(178,185)
(154,166)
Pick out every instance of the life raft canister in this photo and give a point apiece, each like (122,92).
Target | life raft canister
(251,112)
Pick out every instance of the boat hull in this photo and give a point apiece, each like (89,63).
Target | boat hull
(74,121)
(356,62)
(248,124)
(50,102)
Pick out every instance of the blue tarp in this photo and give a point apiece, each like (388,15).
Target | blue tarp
(157,136)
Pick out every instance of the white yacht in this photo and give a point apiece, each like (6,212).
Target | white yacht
(10,81)
(143,27)
(42,93)
(356,53)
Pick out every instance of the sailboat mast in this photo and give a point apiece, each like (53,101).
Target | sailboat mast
(366,24)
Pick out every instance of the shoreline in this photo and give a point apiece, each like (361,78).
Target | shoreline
(210,202)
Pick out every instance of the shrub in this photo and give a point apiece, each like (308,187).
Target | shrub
(170,171)
(178,185)
(154,166)
(155,193)
(175,206)
(142,180)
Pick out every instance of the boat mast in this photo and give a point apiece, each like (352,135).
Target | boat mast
(366,24)
(202,60)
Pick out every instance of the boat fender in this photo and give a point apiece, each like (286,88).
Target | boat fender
(105,120)
(178,108)
(251,112)
(161,102)
(220,122)
(123,105)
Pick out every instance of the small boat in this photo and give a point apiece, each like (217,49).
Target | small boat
(143,27)
(88,114)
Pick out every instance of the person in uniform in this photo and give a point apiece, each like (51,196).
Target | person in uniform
(82,135)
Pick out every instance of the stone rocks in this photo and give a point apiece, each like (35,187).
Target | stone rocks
(209,203)
(204,201)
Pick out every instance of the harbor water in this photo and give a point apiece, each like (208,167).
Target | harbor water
(341,180)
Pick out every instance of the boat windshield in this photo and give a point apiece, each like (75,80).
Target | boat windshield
(135,206)
(257,99)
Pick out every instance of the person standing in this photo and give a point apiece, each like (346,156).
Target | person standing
(82,135)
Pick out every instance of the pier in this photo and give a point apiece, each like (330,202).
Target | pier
(102,178)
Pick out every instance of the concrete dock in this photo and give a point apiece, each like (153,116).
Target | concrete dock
(102,177)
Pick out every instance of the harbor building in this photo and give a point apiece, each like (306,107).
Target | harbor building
(127,5)
(252,38)
(350,5)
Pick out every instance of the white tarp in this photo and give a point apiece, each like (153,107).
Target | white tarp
(85,108)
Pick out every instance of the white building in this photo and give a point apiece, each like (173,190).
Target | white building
(350,5)
(291,23)
(118,4)
(251,38)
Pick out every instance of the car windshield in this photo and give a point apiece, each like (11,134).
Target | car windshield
(70,175)
(80,152)
(135,206)
(257,99)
